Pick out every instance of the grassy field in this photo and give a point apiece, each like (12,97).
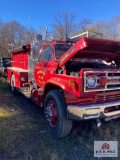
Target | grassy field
(24,134)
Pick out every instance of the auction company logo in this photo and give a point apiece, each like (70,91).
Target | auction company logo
(105,149)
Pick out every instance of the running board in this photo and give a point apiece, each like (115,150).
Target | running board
(25,92)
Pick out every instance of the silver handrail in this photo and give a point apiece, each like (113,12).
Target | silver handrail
(87,34)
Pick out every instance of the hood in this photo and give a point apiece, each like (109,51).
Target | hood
(93,48)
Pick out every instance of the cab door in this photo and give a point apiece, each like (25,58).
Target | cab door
(41,70)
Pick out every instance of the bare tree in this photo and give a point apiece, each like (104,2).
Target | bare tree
(109,29)
(13,32)
(85,24)
(101,26)
(64,24)
(1,25)
(114,28)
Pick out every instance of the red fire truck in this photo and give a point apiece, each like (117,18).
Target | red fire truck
(74,79)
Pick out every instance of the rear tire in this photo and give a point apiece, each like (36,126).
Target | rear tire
(12,85)
(55,112)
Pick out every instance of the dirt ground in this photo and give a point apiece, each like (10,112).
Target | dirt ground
(24,134)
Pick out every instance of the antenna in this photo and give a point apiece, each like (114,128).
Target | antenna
(30,29)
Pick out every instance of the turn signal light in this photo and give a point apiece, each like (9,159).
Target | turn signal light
(72,83)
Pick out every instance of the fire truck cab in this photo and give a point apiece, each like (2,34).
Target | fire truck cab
(74,79)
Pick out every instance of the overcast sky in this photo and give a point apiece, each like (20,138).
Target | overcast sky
(43,11)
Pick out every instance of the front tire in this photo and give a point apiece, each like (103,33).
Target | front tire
(56,114)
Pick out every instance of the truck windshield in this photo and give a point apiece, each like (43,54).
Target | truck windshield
(60,49)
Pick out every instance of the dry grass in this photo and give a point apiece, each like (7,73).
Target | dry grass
(24,135)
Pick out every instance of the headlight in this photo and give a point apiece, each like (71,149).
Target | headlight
(91,81)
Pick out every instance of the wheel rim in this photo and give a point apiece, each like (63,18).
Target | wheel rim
(51,113)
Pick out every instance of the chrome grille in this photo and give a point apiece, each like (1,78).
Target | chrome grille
(113,80)
(103,98)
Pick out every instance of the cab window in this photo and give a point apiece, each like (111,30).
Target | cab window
(46,54)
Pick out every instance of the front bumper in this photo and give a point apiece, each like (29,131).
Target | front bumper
(94,111)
